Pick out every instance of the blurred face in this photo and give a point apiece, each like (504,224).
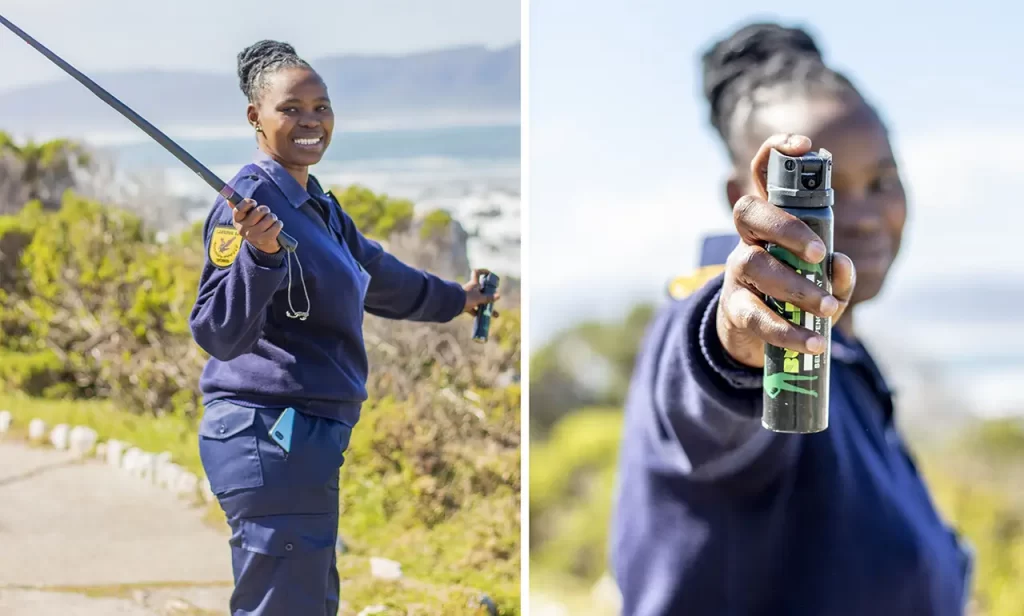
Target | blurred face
(296,117)
(870,204)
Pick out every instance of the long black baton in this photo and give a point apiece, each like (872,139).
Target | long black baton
(286,241)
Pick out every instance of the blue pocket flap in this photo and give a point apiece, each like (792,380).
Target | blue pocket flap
(223,420)
(289,535)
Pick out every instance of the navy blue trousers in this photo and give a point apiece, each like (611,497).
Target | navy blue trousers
(282,507)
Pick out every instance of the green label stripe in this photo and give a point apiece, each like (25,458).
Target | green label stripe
(793,261)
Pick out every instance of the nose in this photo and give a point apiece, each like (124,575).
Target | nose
(861,216)
(309,120)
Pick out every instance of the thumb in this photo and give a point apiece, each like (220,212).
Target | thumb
(844,279)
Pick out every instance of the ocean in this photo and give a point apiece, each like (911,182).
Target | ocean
(473,172)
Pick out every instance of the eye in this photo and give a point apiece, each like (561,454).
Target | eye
(886,183)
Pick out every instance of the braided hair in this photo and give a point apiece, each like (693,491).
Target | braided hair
(259,61)
(757,62)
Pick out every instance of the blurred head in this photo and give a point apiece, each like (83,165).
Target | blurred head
(288,104)
(767,79)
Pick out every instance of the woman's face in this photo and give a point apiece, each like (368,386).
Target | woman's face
(870,204)
(296,117)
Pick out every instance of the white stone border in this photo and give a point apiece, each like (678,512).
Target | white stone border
(147,467)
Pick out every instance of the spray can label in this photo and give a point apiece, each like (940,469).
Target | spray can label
(799,371)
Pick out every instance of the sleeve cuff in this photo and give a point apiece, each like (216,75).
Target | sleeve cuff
(732,372)
(458,300)
(263,259)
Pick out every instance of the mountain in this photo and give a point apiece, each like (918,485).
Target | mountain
(467,83)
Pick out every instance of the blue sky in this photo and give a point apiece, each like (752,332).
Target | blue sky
(625,174)
(199,34)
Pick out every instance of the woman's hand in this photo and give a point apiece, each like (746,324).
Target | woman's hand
(474,297)
(744,322)
(258,226)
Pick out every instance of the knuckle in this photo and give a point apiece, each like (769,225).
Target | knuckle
(744,208)
(747,264)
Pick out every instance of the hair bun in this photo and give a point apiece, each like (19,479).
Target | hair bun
(253,57)
(750,47)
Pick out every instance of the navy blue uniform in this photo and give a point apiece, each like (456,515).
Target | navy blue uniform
(716,516)
(286,331)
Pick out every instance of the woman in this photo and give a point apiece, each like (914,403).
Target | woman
(716,515)
(285,332)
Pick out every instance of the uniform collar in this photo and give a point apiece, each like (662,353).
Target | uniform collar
(293,191)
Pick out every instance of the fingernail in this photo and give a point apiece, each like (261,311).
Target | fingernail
(816,344)
(829,305)
(816,251)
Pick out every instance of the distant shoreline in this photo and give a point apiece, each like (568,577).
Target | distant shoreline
(134,136)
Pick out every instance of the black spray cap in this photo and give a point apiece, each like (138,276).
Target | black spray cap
(800,181)
(489,283)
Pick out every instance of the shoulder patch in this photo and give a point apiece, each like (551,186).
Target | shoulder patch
(682,286)
(224,245)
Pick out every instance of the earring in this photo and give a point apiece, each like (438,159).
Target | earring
(259,129)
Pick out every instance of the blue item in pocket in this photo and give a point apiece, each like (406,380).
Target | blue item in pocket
(281,432)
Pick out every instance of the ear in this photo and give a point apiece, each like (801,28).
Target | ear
(733,189)
(253,115)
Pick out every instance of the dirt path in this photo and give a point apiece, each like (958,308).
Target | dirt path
(78,537)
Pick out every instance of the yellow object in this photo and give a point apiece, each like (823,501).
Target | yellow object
(224,246)
(683,286)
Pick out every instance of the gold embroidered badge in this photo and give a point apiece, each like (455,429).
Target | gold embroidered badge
(224,246)
(682,286)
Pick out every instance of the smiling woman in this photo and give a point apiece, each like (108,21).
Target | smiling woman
(288,105)
(284,387)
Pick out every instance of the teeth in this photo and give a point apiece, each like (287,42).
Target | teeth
(308,141)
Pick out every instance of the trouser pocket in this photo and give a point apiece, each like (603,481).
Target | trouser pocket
(229,448)
(285,564)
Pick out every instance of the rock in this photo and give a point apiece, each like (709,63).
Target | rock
(81,440)
(206,491)
(373,609)
(59,436)
(167,473)
(178,606)
(101,451)
(445,252)
(115,451)
(146,469)
(130,460)
(384,569)
(605,592)
(140,596)
(186,484)
(5,421)
(36,430)
(340,546)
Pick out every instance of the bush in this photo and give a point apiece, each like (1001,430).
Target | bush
(376,216)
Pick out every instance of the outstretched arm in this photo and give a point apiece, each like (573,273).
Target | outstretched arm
(398,291)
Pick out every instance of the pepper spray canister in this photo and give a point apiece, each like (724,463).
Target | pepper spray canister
(796,384)
(482,322)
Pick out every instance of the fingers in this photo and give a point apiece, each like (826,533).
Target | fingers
(844,279)
(747,312)
(753,268)
(786,143)
(265,224)
(758,222)
(477,273)
(243,208)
